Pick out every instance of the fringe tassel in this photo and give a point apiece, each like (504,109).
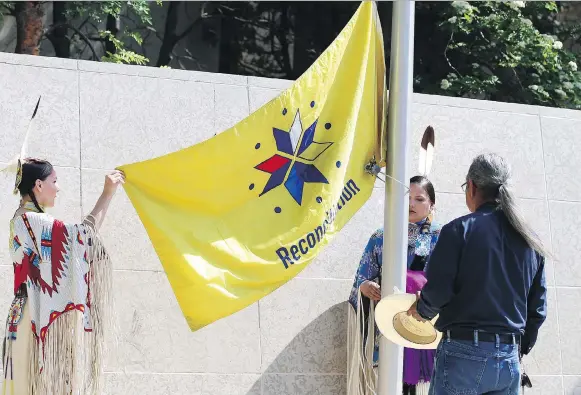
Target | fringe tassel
(422,388)
(361,377)
(57,375)
(33,358)
(71,360)
(101,299)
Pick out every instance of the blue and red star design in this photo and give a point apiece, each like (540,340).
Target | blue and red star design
(297,150)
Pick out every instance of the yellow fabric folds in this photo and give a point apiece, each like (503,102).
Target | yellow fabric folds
(237,216)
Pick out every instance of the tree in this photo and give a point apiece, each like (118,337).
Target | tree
(58,35)
(111,31)
(505,51)
(257,38)
(171,37)
(497,51)
(29,26)
(278,39)
(113,40)
(78,27)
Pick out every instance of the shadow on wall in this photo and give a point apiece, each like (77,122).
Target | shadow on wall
(314,362)
(574,388)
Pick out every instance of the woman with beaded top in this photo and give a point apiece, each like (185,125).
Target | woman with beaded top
(422,237)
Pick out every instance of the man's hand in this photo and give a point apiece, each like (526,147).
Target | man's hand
(413,310)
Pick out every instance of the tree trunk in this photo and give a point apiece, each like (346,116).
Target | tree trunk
(303,35)
(58,36)
(113,25)
(229,53)
(170,35)
(285,29)
(29,27)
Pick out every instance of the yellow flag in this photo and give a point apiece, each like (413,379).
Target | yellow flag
(237,216)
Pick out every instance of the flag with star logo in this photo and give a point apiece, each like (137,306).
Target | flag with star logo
(237,216)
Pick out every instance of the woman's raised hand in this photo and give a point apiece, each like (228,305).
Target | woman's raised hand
(112,181)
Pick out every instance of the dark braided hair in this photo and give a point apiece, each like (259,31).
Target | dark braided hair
(33,170)
(427,186)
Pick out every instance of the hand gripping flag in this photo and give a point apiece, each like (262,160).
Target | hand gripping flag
(235,217)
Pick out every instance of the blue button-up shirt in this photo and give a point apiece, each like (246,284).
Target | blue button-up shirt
(482,275)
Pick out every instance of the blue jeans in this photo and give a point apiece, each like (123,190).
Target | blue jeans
(475,368)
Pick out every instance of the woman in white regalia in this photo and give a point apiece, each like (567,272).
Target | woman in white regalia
(62,277)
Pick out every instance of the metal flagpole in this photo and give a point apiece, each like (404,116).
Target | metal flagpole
(390,370)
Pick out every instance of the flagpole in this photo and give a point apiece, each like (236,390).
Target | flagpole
(390,368)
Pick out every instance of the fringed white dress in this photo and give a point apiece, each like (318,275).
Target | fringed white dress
(55,328)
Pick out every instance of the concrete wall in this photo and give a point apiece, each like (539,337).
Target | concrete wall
(95,116)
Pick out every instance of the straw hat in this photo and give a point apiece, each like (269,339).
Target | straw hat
(404,330)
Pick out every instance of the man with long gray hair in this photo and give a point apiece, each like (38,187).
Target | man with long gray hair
(486,280)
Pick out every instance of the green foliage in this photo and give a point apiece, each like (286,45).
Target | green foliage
(496,50)
(97,13)
(6,8)
(505,51)
(121,54)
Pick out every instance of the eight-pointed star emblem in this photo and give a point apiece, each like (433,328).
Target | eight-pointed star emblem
(293,162)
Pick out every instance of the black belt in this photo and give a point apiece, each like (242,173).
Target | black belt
(468,335)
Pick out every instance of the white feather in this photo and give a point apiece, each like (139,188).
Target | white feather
(24,148)
(11,167)
(426,152)
(426,159)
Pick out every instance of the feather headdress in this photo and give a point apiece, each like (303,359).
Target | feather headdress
(15,165)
